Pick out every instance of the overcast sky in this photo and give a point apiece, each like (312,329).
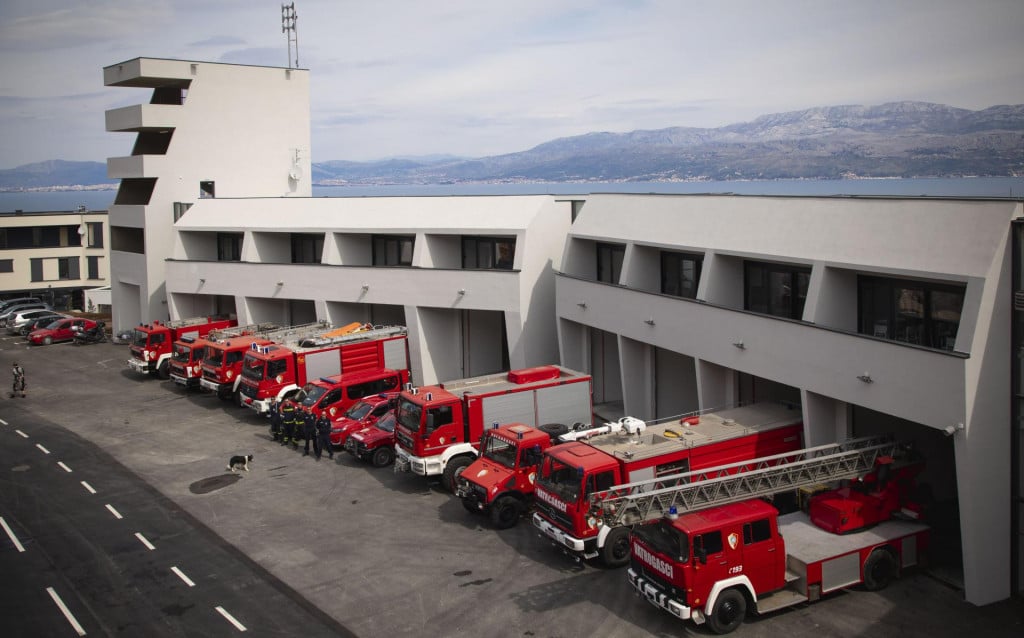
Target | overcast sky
(476,77)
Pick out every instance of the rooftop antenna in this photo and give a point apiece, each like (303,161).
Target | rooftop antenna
(288,27)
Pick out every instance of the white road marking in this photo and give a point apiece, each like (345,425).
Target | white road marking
(64,467)
(4,422)
(145,542)
(113,511)
(44,450)
(239,626)
(65,611)
(23,435)
(88,487)
(181,575)
(10,532)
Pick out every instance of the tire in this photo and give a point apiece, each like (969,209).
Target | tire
(729,612)
(505,512)
(47,341)
(383,456)
(163,371)
(453,471)
(554,430)
(615,552)
(880,569)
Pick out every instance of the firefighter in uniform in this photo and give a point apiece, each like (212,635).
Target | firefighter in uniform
(275,418)
(287,422)
(309,431)
(323,436)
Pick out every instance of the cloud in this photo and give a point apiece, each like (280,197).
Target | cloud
(218,41)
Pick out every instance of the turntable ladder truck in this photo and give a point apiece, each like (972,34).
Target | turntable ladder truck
(707,547)
(222,361)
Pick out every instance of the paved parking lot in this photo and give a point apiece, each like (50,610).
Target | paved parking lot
(387,554)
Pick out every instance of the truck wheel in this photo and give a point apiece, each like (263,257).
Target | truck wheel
(729,612)
(879,570)
(615,552)
(554,430)
(163,371)
(453,471)
(505,512)
(383,457)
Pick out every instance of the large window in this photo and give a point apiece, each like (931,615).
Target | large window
(6,265)
(68,268)
(488,252)
(306,248)
(93,267)
(229,246)
(680,274)
(94,234)
(609,262)
(775,289)
(922,313)
(392,250)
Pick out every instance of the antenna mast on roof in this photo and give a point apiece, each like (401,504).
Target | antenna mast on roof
(288,26)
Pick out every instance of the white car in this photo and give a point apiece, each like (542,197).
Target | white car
(18,321)
(13,310)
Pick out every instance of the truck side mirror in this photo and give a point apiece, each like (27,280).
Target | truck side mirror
(699,552)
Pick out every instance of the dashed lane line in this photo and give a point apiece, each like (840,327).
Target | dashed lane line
(231,619)
(88,487)
(10,532)
(113,511)
(42,449)
(64,467)
(23,435)
(182,576)
(142,539)
(67,612)
(4,422)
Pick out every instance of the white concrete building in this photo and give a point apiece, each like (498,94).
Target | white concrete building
(54,255)
(876,315)
(208,130)
(471,277)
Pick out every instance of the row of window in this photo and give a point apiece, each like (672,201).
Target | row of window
(921,313)
(56,268)
(65,236)
(485,253)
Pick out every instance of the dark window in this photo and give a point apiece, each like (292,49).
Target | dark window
(922,313)
(229,246)
(92,265)
(307,248)
(68,268)
(392,250)
(276,367)
(757,531)
(441,416)
(776,289)
(710,542)
(36,268)
(680,274)
(207,190)
(6,265)
(94,234)
(331,397)
(609,262)
(180,208)
(600,482)
(488,252)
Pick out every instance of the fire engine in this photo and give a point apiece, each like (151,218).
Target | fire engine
(152,343)
(280,369)
(439,427)
(186,361)
(719,549)
(632,450)
(222,362)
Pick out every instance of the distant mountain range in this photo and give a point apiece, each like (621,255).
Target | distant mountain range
(899,139)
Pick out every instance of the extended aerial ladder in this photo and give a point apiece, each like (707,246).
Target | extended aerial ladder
(641,501)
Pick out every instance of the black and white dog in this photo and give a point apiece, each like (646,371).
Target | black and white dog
(239,463)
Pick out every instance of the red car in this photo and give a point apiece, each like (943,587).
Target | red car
(361,414)
(375,443)
(59,330)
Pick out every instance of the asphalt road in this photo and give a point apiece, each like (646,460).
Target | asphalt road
(304,547)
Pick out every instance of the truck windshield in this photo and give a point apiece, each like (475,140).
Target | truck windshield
(310,394)
(500,451)
(252,368)
(139,338)
(214,356)
(358,410)
(408,414)
(560,479)
(663,537)
(181,352)
(386,422)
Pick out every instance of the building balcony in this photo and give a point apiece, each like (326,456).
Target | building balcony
(130,216)
(425,287)
(136,166)
(903,380)
(148,73)
(143,117)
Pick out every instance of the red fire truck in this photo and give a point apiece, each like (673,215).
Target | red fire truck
(631,451)
(719,550)
(152,343)
(439,427)
(280,369)
(186,361)
(222,362)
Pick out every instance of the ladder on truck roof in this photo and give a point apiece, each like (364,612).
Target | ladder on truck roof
(294,334)
(365,333)
(185,323)
(253,329)
(642,501)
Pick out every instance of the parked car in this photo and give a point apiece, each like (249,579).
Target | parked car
(11,310)
(22,318)
(40,323)
(7,304)
(60,330)
(360,414)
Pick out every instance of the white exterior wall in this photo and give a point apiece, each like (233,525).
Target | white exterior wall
(245,128)
(955,241)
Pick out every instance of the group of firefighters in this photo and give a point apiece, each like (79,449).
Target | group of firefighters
(288,425)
